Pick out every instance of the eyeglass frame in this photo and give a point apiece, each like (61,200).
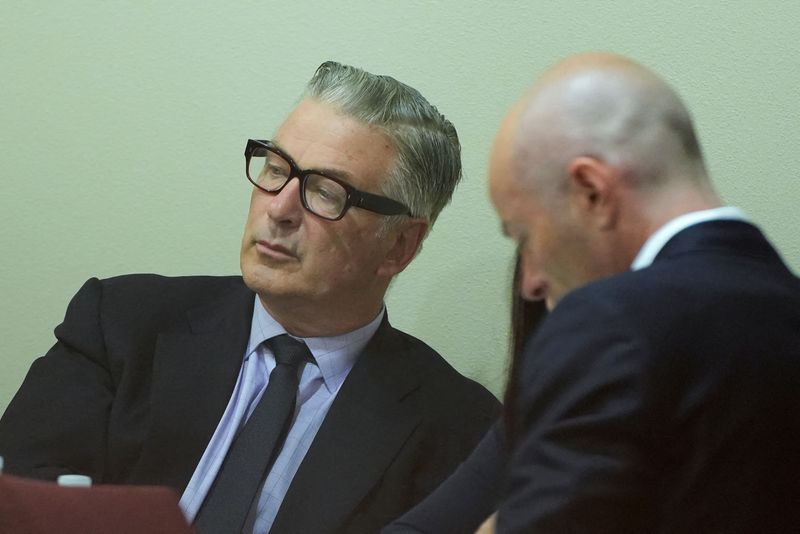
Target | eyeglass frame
(355,197)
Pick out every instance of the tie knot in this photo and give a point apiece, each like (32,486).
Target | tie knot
(288,350)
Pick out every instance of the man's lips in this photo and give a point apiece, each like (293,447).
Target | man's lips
(274,250)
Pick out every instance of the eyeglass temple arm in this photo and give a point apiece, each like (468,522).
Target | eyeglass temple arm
(380,204)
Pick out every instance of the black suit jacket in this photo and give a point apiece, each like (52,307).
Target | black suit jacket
(666,399)
(144,367)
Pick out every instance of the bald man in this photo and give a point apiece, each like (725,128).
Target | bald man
(662,393)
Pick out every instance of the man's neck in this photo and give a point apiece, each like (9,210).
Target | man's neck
(309,319)
(666,205)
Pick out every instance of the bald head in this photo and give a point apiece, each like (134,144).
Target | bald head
(599,154)
(614,109)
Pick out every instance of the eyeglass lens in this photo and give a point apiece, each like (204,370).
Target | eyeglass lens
(322,195)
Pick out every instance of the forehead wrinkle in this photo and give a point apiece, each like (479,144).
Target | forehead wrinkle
(342,174)
(326,140)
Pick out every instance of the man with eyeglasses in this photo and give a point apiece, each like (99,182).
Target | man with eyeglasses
(158,380)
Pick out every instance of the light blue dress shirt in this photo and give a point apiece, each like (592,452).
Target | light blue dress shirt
(319,383)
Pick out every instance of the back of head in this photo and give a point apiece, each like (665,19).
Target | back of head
(428,164)
(610,108)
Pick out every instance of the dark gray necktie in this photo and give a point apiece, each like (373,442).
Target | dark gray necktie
(255,448)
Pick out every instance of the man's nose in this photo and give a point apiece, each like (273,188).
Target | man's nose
(533,285)
(285,206)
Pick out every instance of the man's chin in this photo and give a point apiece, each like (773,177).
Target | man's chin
(260,279)
(271,283)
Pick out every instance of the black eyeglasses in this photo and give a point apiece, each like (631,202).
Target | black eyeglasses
(270,169)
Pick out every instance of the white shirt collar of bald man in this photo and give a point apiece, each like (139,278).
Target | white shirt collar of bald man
(659,238)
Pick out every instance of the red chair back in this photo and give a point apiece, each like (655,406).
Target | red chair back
(36,507)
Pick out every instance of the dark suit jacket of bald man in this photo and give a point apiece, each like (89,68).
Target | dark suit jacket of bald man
(666,399)
(145,365)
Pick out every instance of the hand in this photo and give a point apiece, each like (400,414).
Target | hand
(487,527)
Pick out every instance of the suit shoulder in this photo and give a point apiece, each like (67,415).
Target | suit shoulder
(153,291)
(155,284)
(147,300)
(442,384)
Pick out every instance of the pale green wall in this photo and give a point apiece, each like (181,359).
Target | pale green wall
(122,126)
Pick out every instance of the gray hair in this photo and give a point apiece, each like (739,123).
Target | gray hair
(428,164)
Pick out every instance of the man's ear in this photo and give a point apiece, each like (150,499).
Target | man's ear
(593,188)
(405,243)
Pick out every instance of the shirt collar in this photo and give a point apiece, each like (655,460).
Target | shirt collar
(659,238)
(334,355)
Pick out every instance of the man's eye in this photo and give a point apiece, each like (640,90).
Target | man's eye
(276,171)
(324,194)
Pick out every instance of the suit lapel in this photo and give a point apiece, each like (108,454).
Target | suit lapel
(363,431)
(195,368)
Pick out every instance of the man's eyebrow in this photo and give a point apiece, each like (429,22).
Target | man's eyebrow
(341,174)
